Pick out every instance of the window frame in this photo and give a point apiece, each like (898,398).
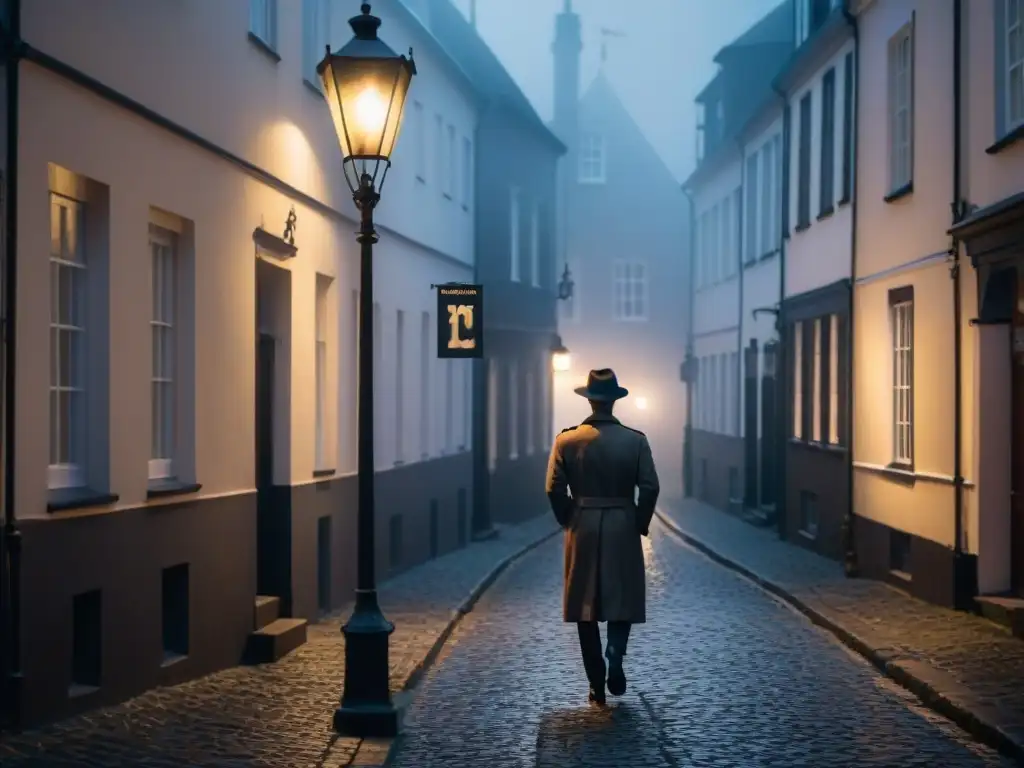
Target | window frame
(419,126)
(797,373)
(592,159)
(1005,123)
(452,156)
(535,245)
(901,327)
(846,192)
(624,282)
(804,142)
(467,172)
(753,208)
(316,25)
(263,22)
(67,470)
(163,467)
(901,177)
(827,162)
(515,266)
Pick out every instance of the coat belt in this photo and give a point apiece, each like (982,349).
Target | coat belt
(603,502)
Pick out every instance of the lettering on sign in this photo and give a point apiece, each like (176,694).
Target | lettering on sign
(459,320)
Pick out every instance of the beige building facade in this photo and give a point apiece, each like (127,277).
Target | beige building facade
(186,351)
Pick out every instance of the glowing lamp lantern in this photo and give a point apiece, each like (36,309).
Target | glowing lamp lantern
(561,360)
(365,85)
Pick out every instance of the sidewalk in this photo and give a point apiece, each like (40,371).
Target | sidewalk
(280,714)
(966,667)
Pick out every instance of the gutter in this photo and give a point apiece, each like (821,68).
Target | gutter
(851,567)
(781,358)
(10,568)
(964,582)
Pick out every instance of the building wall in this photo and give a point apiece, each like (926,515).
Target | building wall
(132,172)
(903,242)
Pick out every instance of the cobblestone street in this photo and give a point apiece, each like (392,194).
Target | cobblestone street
(275,715)
(722,675)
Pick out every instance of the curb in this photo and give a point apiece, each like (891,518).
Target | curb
(980,726)
(466,606)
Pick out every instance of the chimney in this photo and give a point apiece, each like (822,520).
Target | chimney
(566,50)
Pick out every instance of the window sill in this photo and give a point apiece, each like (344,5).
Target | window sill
(816,445)
(591,181)
(825,213)
(313,88)
(318,473)
(264,47)
(447,196)
(158,489)
(1007,140)
(899,192)
(803,226)
(768,255)
(420,179)
(398,463)
(64,499)
(846,199)
(465,207)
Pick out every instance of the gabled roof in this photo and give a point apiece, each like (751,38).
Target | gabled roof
(775,27)
(491,79)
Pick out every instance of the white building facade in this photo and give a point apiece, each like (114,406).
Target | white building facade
(819,85)
(186,367)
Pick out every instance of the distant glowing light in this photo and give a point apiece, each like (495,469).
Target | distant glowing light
(560,361)
(641,403)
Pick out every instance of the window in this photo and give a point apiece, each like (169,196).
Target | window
(629,300)
(803,21)
(535,245)
(833,380)
(769,199)
(513,411)
(734,390)
(467,172)
(493,382)
(440,162)
(713,234)
(750,211)
(424,385)
(902,309)
(803,203)
(162,248)
(263,21)
(721,393)
(592,170)
(316,26)
(449,406)
(847,189)
(901,108)
(399,386)
(67,342)
(725,253)
(419,129)
(1009,67)
(798,380)
(323,284)
(816,383)
(777,188)
(826,189)
(513,230)
(453,159)
(531,411)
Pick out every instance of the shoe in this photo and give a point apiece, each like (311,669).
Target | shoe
(597,696)
(616,676)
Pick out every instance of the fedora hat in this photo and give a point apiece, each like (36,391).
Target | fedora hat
(602,386)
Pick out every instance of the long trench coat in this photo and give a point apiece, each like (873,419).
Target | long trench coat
(603,463)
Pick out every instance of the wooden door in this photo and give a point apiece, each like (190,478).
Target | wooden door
(1017,444)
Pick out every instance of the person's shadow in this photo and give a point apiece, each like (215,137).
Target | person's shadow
(620,735)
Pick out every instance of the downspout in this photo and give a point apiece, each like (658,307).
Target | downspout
(738,373)
(850,565)
(688,355)
(964,587)
(10,590)
(781,358)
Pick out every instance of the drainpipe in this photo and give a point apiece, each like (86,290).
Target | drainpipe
(688,355)
(10,589)
(851,567)
(781,358)
(963,586)
(739,318)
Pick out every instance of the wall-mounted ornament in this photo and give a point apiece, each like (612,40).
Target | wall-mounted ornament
(290,227)
(279,247)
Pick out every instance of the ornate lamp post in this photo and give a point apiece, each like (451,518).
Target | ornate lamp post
(561,360)
(365,84)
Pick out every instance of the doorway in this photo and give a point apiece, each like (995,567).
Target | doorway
(769,426)
(1017,440)
(750,426)
(266,578)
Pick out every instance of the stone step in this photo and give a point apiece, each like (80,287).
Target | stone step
(267,609)
(1007,610)
(276,639)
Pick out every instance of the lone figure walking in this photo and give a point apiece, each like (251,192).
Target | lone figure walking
(603,464)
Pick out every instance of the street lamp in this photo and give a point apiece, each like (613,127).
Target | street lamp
(560,358)
(565,285)
(365,84)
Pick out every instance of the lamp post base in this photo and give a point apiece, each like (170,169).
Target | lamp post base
(366,707)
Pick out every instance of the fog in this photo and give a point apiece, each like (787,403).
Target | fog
(657,67)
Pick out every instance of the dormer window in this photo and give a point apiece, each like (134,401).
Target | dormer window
(592,158)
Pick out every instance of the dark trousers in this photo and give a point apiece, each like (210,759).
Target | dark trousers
(590,646)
